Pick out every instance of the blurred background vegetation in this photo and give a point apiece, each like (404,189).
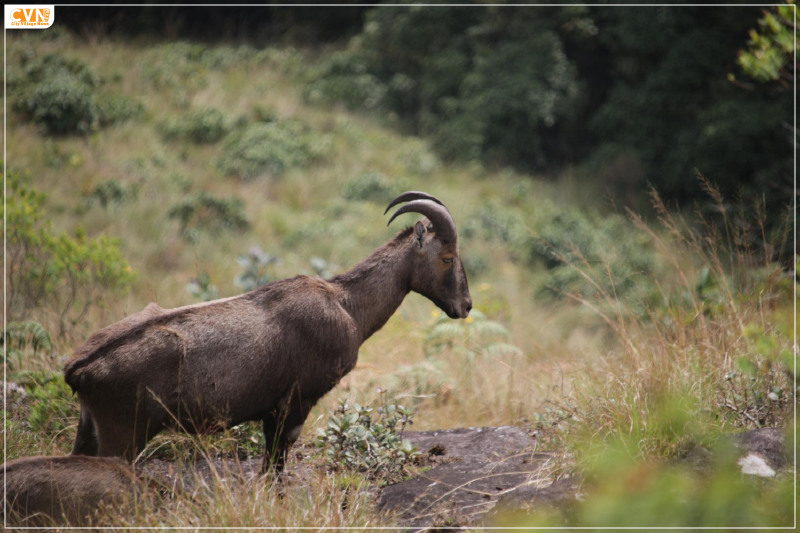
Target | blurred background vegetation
(621,179)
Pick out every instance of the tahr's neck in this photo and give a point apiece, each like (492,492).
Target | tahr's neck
(374,289)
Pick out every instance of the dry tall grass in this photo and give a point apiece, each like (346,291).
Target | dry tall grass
(712,354)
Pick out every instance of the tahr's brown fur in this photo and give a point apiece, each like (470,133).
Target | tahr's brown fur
(42,491)
(268,355)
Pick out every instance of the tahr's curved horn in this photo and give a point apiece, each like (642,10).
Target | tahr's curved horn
(414,195)
(440,217)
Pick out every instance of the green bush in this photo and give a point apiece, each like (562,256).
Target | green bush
(115,107)
(475,337)
(181,68)
(62,274)
(165,64)
(369,440)
(206,125)
(110,192)
(63,96)
(202,288)
(565,241)
(205,211)
(493,221)
(21,337)
(622,492)
(608,246)
(53,406)
(371,186)
(422,380)
(271,148)
(255,264)
(770,49)
(322,268)
(62,104)
(262,113)
(343,78)
(39,68)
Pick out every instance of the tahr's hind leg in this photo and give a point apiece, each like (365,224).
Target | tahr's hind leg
(86,439)
(281,430)
(126,440)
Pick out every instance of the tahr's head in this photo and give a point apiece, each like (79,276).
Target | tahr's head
(438,273)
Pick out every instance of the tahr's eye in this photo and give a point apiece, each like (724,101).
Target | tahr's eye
(448,259)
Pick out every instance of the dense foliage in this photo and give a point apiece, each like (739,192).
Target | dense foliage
(635,95)
(368,439)
(205,125)
(56,273)
(205,211)
(271,148)
(63,95)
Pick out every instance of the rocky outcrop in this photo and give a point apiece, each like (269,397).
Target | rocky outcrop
(485,474)
(477,470)
(478,475)
(763,452)
(759,452)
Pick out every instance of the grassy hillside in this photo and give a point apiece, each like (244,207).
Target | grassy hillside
(587,322)
(303,213)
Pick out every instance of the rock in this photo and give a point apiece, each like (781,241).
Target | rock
(759,452)
(754,465)
(763,451)
(492,475)
(14,390)
(196,473)
(190,475)
(512,507)
(482,466)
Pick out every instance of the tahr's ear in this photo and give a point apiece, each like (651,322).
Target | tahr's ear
(419,233)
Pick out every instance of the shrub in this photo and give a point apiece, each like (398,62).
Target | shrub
(262,113)
(182,68)
(62,104)
(344,78)
(495,222)
(321,267)
(114,107)
(21,336)
(371,186)
(201,126)
(205,211)
(202,288)
(622,492)
(607,245)
(425,379)
(255,264)
(562,236)
(40,68)
(53,406)
(110,192)
(168,64)
(476,336)
(369,440)
(60,274)
(63,97)
(271,148)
